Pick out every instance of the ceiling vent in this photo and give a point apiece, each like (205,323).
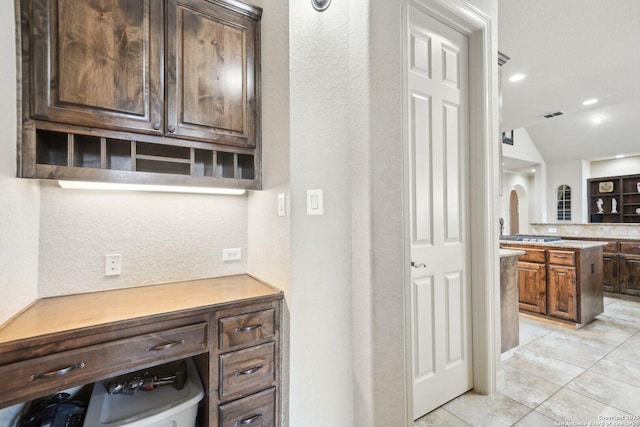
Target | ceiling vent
(552,115)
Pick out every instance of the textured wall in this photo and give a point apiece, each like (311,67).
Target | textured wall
(161,237)
(268,233)
(321,293)
(19,199)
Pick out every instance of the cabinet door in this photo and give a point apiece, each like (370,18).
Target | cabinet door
(98,64)
(211,63)
(561,292)
(630,274)
(532,284)
(610,277)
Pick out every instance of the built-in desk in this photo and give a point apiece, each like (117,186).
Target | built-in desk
(230,325)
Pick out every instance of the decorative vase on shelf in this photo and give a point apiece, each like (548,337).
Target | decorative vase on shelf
(638,211)
(600,202)
(638,186)
(614,206)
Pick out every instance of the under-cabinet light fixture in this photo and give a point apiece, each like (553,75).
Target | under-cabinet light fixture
(590,101)
(86,185)
(517,77)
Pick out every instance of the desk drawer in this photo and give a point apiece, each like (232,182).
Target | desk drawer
(610,247)
(562,257)
(246,329)
(246,371)
(76,367)
(630,248)
(255,410)
(533,255)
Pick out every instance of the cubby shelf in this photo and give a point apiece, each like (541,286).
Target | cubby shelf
(97,155)
(624,189)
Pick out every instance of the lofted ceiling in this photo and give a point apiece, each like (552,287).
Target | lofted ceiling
(571,51)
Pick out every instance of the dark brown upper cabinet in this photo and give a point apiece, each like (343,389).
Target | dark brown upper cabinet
(151,91)
(211,92)
(98,64)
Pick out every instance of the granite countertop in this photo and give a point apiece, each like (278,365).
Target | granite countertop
(505,253)
(567,244)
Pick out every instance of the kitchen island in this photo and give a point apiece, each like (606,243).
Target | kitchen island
(509,322)
(561,280)
(620,256)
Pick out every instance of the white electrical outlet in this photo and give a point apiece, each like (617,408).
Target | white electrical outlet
(112,265)
(234,254)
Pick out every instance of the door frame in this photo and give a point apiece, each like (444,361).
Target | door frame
(483,186)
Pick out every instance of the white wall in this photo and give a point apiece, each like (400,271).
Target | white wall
(523,148)
(573,174)
(525,182)
(536,204)
(19,199)
(269,237)
(615,167)
(162,237)
(268,233)
(321,392)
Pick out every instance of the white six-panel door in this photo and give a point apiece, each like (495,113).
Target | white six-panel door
(437,80)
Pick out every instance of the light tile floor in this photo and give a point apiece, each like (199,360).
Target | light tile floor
(560,375)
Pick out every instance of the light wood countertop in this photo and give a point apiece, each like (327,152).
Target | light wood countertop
(65,313)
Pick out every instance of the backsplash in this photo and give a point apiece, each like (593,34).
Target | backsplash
(617,231)
(161,238)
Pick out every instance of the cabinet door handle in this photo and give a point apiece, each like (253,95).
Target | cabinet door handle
(57,372)
(249,420)
(171,128)
(250,370)
(162,347)
(249,328)
(156,125)
(561,256)
(416,265)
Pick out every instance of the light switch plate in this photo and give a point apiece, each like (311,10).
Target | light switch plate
(314,202)
(282,204)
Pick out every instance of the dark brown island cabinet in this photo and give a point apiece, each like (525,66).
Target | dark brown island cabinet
(560,280)
(149,91)
(229,325)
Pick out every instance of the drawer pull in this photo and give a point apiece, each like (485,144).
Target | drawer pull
(249,328)
(162,347)
(250,370)
(249,420)
(57,372)
(561,256)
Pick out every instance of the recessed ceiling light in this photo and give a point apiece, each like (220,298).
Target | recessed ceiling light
(619,156)
(533,170)
(597,120)
(590,101)
(516,77)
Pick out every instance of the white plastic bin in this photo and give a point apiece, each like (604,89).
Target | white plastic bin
(162,407)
